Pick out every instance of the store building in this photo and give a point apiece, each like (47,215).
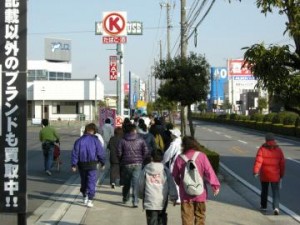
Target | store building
(51,91)
(64,100)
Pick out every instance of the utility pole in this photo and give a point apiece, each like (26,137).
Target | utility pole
(168,7)
(183,41)
(183,45)
(121,74)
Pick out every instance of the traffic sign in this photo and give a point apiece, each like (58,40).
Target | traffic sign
(114,23)
(119,121)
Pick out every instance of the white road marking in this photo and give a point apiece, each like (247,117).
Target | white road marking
(227,136)
(244,142)
(294,160)
(257,191)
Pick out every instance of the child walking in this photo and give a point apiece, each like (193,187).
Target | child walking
(155,185)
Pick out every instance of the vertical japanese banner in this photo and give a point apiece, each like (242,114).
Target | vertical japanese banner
(113,67)
(13,153)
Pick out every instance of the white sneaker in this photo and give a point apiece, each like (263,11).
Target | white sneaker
(276,211)
(90,204)
(85,200)
(48,172)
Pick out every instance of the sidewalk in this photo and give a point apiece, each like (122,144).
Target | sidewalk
(229,207)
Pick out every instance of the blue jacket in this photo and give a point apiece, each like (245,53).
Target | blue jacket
(87,152)
(132,149)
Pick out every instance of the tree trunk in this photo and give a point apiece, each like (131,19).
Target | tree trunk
(189,116)
(183,120)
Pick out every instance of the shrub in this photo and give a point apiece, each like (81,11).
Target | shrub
(233,116)
(286,118)
(269,117)
(213,157)
(290,119)
(257,117)
(243,117)
(278,118)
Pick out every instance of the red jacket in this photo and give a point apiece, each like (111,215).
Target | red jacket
(269,162)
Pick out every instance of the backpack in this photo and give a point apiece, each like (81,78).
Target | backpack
(159,142)
(192,180)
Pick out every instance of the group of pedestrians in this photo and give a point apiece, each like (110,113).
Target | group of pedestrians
(150,170)
(154,172)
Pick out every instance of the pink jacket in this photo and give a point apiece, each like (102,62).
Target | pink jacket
(206,171)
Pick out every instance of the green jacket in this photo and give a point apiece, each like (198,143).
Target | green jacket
(48,133)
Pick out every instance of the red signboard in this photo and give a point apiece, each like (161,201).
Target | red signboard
(114,40)
(113,67)
(126,88)
(236,67)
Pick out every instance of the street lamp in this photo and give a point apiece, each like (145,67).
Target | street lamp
(43,101)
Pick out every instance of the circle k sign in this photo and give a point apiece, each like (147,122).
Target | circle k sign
(114,23)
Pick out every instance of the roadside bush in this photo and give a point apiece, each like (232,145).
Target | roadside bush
(269,117)
(234,116)
(243,117)
(257,117)
(286,118)
(290,119)
(213,157)
(278,118)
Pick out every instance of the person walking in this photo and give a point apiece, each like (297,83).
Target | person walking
(174,149)
(155,185)
(87,153)
(107,131)
(132,150)
(172,152)
(48,136)
(148,137)
(270,166)
(114,160)
(193,208)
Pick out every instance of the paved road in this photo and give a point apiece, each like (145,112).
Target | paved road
(40,186)
(238,148)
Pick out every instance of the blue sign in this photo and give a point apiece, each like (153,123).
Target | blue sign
(219,78)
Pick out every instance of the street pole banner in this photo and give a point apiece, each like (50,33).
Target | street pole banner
(13,153)
(113,67)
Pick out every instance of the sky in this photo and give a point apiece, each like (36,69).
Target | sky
(226,29)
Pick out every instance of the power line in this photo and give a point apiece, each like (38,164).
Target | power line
(204,16)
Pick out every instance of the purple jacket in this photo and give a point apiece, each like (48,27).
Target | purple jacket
(206,171)
(132,149)
(87,152)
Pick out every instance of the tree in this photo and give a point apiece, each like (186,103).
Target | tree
(277,68)
(226,105)
(202,107)
(162,103)
(186,81)
(262,104)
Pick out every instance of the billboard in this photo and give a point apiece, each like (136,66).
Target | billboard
(241,80)
(13,105)
(58,50)
(236,68)
(218,77)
